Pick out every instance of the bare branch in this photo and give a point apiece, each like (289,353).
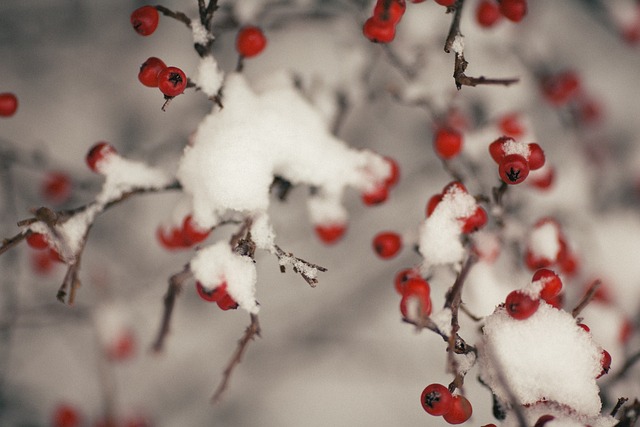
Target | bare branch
(179,16)
(175,286)
(586,299)
(306,269)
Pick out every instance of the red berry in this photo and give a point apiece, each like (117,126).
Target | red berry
(544,179)
(8,104)
(520,306)
(551,283)
(447,143)
(170,239)
(585,327)
(56,187)
(123,347)
(510,124)
(394,175)
(436,399)
(145,20)
(536,156)
(330,233)
(513,169)
(226,302)
(149,70)
(65,415)
(387,244)
(543,420)
(55,255)
(192,233)
(389,10)
(496,148)
(416,299)
(513,10)
(460,412)
(446,3)
(560,88)
(376,196)
(37,241)
(454,186)
(535,262)
(433,202)
(605,362)
(212,295)
(403,276)
(100,152)
(41,262)
(476,221)
(172,81)
(487,13)
(250,41)
(379,31)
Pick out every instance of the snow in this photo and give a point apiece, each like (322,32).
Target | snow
(209,77)
(458,44)
(544,241)
(512,146)
(200,33)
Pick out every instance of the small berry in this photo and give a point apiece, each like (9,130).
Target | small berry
(487,13)
(536,156)
(330,233)
(149,70)
(513,169)
(170,239)
(394,175)
(543,178)
(496,148)
(123,347)
(376,196)
(605,362)
(585,327)
(551,283)
(56,187)
(560,88)
(447,143)
(447,3)
(8,104)
(403,276)
(212,295)
(510,125)
(145,20)
(436,399)
(433,202)
(521,306)
(100,152)
(460,412)
(476,221)
(416,299)
(192,233)
(389,10)
(41,262)
(172,81)
(387,244)
(543,420)
(379,31)
(250,41)
(513,10)
(37,241)
(65,415)
(226,302)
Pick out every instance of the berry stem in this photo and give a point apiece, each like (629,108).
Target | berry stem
(179,16)
(586,299)
(175,286)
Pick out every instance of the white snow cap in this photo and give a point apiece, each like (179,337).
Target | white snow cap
(546,357)
(217,264)
(209,76)
(544,240)
(511,146)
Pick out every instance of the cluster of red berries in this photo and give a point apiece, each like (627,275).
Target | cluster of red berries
(415,302)
(8,104)
(470,223)
(380,191)
(250,41)
(145,20)
(564,258)
(381,26)
(546,285)
(219,295)
(447,142)
(490,12)
(98,155)
(171,81)
(515,159)
(437,400)
(185,236)
(387,244)
(45,256)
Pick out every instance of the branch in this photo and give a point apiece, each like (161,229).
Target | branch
(306,269)
(630,415)
(252,331)
(179,16)
(586,299)
(175,286)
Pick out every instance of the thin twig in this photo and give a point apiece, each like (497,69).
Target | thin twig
(175,15)
(586,299)
(628,364)
(250,333)
(621,401)
(175,286)
(630,415)
(306,269)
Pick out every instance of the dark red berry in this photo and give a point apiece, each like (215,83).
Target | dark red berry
(389,10)
(37,241)
(433,202)
(210,295)
(330,233)
(605,362)
(460,412)
(513,169)
(436,399)
(226,302)
(496,148)
(403,276)
(487,13)
(513,10)
(447,143)
(65,415)
(551,283)
(192,233)
(416,299)
(100,152)
(250,41)
(41,262)
(584,327)
(145,20)
(536,156)
(149,70)
(387,244)
(8,104)
(172,81)
(510,124)
(394,175)
(379,31)
(560,88)
(475,221)
(376,196)
(543,420)
(446,3)
(520,306)
(170,239)
(56,187)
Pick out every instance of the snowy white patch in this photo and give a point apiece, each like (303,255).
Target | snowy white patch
(458,44)
(544,241)
(199,33)
(217,264)
(262,232)
(515,147)
(563,417)
(246,11)
(110,320)
(442,319)
(545,357)
(209,77)
(123,175)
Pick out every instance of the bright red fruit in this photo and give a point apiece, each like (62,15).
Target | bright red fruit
(145,20)
(330,233)
(544,179)
(496,148)
(543,420)
(37,241)
(585,327)
(192,233)
(536,156)
(172,81)
(98,154)
(250,41)
(510,124)
(387,244)
(551,283)
(170,239)
(149,70)
(403,276)
(218,295)
(560,88)
(379,31)
(446,2)
(433,202)
(474,222)
(8,104)
(460,412)
(56,187)
(123,347)
(416,299)
(487,13)
(513,10)
(447,143)
(436,399)
(65,415)
(513,169)
(520,306)
(605,362)
(376,196)
(389,10)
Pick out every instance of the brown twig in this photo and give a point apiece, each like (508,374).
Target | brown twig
(630,415)
(175,286)
(628,364)
(179,16)
(621,401)
(252,331)
(586,299)
(306,269)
